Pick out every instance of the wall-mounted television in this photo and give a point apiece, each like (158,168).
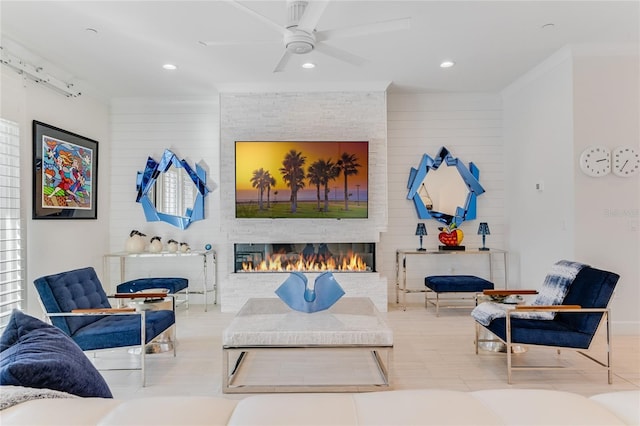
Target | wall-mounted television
(302,179)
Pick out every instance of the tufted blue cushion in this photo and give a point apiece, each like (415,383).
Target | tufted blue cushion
(63,292)
(174,284)
(37,355)
(457,284)
(592,288)
(541,332)
(118,331)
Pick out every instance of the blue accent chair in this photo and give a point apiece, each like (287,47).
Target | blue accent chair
(574,326)
(75,302)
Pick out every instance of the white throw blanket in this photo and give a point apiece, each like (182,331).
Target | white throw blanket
(553,291)
(14,395)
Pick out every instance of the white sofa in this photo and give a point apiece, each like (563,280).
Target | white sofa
(401,407)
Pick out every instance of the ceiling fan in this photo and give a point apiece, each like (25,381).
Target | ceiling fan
(300,36)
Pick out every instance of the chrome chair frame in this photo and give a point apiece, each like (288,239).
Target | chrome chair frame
(509,343)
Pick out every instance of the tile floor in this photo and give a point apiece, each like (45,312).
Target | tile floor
(429,352)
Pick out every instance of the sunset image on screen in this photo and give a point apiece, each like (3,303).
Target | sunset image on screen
(302,179)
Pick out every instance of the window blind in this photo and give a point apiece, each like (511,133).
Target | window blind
(11,253)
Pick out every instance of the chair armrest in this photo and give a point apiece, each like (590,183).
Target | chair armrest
(500,292)
(141,295)
(102,310)
(558,308)
(95,312)
(547,308)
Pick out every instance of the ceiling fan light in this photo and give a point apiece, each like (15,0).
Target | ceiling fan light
(299,42)
(447,64)
(299,47)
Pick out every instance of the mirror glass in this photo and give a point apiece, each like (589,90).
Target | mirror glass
(171,191)
(174,192)
(443,188)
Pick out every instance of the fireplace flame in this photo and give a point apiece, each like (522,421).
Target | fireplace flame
(301,263)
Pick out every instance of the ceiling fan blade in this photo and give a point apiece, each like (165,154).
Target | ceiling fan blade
(283,61)
(274,25)
(312,14)
(340,54)
(366,29)
(236,43)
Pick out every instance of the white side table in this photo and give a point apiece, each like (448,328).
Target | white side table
(164,341)
(403,254)
(488,341)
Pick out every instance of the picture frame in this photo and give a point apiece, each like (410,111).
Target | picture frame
(65,174)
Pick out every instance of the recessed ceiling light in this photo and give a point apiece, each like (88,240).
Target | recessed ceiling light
(92,31)
(447,64)
(169,67)
(548,26)
(308,65)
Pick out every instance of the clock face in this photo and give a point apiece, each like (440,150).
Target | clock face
(626,161)
(596,161)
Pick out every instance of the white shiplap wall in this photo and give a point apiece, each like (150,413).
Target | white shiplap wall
(470,126)
(144,128)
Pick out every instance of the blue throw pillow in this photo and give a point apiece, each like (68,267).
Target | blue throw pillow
(38,355)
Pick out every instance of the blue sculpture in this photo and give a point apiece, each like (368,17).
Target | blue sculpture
(295,292)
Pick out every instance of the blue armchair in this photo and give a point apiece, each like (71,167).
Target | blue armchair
(570,324)
(76,303)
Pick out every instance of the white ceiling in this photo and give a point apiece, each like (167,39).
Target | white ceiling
(492,43)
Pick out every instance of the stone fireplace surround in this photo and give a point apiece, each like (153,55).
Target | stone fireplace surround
(308,116)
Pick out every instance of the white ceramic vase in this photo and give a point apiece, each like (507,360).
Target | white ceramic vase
(155,246)
(134,244)
(172,246)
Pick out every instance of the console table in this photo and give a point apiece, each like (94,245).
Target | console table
(401,266)
(208,256)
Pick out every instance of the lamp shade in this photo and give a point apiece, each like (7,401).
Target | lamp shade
(483,229)
(421,229)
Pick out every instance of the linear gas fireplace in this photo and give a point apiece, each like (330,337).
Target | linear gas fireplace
(305,257)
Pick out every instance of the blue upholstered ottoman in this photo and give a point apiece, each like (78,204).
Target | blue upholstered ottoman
(173,285)
(453,284)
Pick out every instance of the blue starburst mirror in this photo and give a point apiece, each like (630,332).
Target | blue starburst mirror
(444,189)
(171,191)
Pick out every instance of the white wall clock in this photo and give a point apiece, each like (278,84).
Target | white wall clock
(626,161)
(596,161)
